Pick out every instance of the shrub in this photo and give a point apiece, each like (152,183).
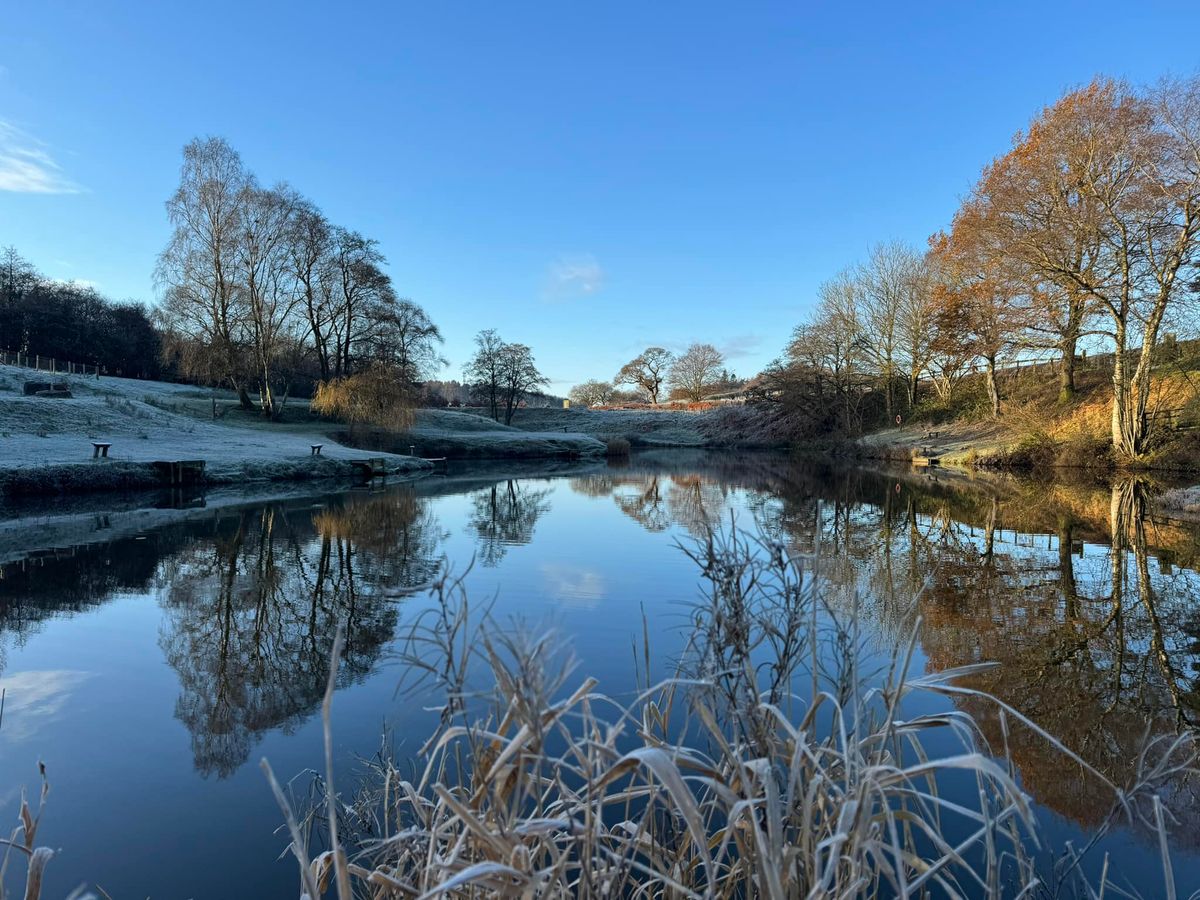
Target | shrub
(616,447)
(1084,452)
(1032,451)
(375,397)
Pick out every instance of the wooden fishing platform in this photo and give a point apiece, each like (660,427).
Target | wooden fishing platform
(926,457)
(375,467)
(180,471)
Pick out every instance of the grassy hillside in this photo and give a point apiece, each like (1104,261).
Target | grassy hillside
(1037,430)
(47,442)
(729,426)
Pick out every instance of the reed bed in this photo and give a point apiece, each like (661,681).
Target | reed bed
(778,761)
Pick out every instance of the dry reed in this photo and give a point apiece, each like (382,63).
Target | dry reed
(772,764)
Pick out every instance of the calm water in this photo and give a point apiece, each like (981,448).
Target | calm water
(152,656)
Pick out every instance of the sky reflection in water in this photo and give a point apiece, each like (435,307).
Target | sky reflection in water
(151,667)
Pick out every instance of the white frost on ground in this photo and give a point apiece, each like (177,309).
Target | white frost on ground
(1182,500)
(676,428)
(22,530)
(139,419)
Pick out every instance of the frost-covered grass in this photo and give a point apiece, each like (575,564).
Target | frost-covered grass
(466,435)
(46,444)
(1182,500)
(727,426)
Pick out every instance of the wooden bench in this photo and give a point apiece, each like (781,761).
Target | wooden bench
(99,448)
(316,449)
(375,467)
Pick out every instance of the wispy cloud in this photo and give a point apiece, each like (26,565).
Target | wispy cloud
(26,166)
(574,585)
(35,698)
(740,345)
(573,276)
(85,284)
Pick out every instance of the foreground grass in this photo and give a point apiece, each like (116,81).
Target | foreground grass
(776,762)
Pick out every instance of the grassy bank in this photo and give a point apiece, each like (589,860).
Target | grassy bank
(735,425)
(47,443)
(1038,430)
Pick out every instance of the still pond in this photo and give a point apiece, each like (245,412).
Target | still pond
(154,649)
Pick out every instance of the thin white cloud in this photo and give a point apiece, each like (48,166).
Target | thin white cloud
(26,166)
(574,585)
(35,698)
(85,284)
(741,345)
(573,276)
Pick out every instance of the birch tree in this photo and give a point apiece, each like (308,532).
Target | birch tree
(202,306)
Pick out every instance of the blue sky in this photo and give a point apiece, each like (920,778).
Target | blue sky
(589,178)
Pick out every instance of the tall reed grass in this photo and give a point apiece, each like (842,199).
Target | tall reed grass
(781,760)
(22,845)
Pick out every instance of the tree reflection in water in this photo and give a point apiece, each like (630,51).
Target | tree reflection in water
(1091,607)
(1096,643)
(694,501)
(250,614)
(504,515)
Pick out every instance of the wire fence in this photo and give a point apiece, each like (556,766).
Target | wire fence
(47,364)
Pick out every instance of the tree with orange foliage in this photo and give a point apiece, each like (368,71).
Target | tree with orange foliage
(977,300)
(1099,206)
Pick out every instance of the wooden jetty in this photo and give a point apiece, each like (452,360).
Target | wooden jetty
(180,471)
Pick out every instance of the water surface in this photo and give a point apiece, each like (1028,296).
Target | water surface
(153,650)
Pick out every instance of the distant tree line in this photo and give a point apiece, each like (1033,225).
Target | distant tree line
(1085,233)
(73,322)
(657,374)
(261,293)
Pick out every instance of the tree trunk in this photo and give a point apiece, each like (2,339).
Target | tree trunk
(993,387)
(1122,436)
(1066,370)
(1066,570)
(1137,421)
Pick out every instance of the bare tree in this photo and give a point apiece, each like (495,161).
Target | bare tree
(484,370)
(518,377)
(592,393)
(884,281)
(647,371)
(915,323)
(695,373)
(362,285)
(202,306)
(826,358)
(267,282)
(311,250)
(406,338)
